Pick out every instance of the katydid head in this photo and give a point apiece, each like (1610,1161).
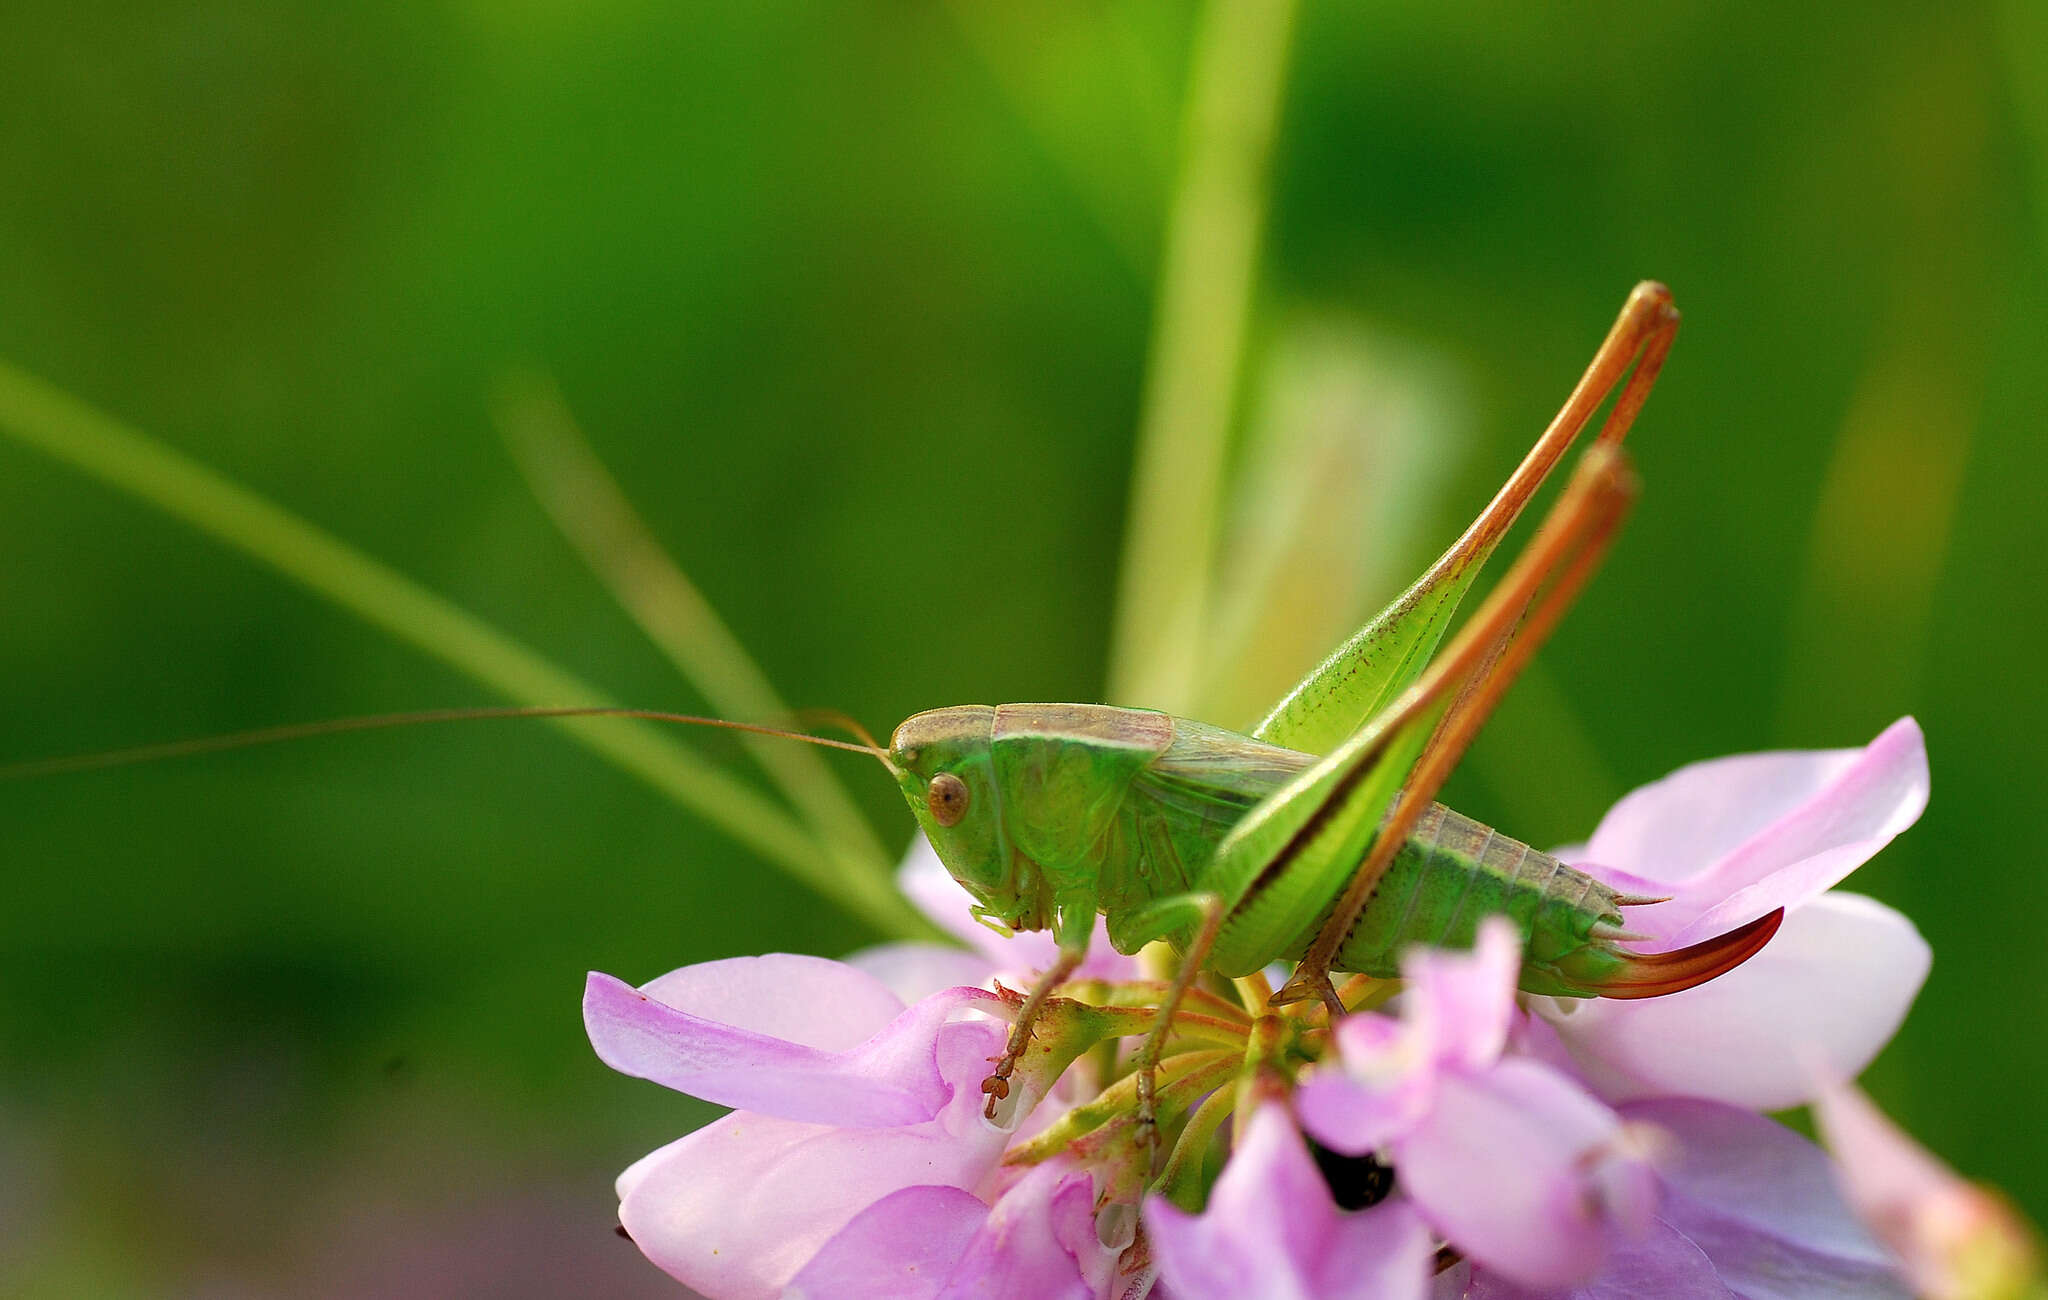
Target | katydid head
(945,767)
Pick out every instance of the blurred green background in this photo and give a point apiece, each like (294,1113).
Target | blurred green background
(855,301)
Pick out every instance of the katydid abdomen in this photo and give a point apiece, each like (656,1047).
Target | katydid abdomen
(1048,811)
(1453,873)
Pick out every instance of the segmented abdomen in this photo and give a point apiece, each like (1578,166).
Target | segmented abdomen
(1452,873)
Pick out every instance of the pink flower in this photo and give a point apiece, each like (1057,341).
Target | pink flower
(1038,1242)
(1746,1209)
(858,1151)
(1271,1230)
(1549,1193)
(1759,1201)
(1957,1241)
(847,1098)
(1510,1160)
(1730,840)
(858,1162)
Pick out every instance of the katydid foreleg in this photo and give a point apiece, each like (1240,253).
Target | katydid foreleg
(997,1084)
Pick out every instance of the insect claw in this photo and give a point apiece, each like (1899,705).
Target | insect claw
(1655,974)
(1613,934)
(1291,992)
(1305,985)
(1639,900)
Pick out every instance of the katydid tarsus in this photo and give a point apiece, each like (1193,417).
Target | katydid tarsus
(1314,836)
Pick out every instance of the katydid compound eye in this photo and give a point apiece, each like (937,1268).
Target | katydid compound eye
(947,798)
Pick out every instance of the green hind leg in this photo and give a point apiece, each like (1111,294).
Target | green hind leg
(1451,701)
(1369,671)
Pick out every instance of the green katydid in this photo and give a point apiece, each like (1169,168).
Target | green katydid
(1249,849)
(1313,837)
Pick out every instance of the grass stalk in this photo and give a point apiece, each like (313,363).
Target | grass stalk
(593,512)
(38,415)
(1214,225)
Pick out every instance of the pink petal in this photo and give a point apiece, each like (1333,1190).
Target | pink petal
(1456,1012)
(1761,1202)
(1038,1242)
(1680,825)
(807,1000)
(1460,1002)
(1825,995)
(1799,856)
(737,1208)
(1883,1172)
(904,1246)
(915,970)
(1271,1230)
(1245,1241)
(1384,1253)
(1501,1168)
(1674,828)
(940,1243)
(1741,836)
(1380,1089)
(890,1079)
(1664,1263)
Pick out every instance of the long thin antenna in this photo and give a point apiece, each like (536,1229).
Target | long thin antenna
(381,721)
(836,718)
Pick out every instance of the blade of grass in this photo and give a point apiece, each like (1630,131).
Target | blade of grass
(592,511)
(41,416)
(1880,534)
(1213,228)
(2023,33)
(1054,68)
(1865,615)
(1347,438)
